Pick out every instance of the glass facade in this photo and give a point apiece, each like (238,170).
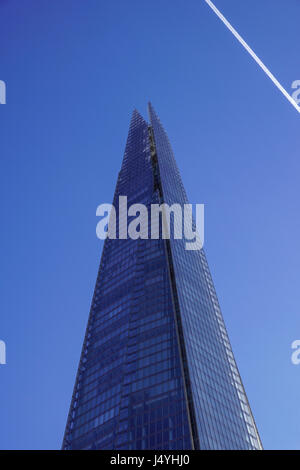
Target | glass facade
(156,368)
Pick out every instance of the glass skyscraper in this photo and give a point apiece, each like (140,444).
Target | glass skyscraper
(156,369)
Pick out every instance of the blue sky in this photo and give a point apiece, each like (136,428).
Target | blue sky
(74,71)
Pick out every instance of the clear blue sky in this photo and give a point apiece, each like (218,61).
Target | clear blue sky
(74,70)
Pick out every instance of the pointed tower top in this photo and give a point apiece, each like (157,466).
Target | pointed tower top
(150,108)
(152,113)
(136,115)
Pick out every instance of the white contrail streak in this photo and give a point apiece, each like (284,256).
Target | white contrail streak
(252,53)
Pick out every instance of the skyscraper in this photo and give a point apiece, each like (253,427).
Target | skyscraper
(156,369)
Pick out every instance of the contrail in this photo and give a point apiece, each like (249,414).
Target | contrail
(252,53)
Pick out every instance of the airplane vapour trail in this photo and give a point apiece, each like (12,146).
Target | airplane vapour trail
(252,53)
